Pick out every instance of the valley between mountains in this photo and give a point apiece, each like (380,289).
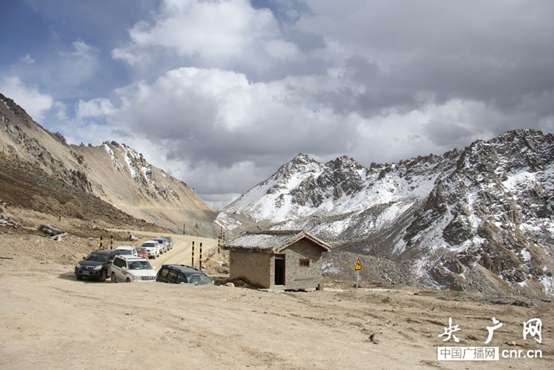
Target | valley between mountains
(478,218)
(466,234)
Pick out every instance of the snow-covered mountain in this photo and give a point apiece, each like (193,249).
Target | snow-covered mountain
(113,172)
(481,217)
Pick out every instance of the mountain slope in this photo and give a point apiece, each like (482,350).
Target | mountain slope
(481,217)
(113,172)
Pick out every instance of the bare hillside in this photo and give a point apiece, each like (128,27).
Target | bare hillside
(113,172)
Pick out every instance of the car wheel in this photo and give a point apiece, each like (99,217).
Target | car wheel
(103,275)
(113,278)
(128,280)
(78,277)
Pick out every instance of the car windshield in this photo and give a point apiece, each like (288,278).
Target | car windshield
(97,257)
(124,252)
(199,279)
(140,265)
(149,245)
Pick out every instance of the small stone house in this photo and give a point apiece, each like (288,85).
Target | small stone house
(277,259)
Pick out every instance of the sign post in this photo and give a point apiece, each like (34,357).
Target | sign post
(357,269)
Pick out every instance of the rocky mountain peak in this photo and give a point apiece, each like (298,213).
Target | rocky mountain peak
(344,163)
(112,171)
(479,217)
(303,158)
(298,166)
(12,106)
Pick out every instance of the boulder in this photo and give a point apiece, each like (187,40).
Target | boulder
(50,230)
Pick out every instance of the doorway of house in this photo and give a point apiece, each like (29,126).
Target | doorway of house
(279,269)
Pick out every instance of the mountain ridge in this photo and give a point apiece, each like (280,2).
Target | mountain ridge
(113,172)
(445,215)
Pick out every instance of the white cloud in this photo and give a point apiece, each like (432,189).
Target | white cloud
(204,111)
(224,93)
(430,128)
(213,33)
(65,73)
(280,49)
(76,66)
(60,111)
(210,124)
(27,59)
(94,108)
(30,98)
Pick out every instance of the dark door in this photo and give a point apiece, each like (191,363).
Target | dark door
(279,269)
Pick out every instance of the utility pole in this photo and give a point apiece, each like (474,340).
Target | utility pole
(192,260)
(200,256)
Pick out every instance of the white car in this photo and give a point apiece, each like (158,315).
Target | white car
(153,248)
(163,243)
(126,250)
(131,269)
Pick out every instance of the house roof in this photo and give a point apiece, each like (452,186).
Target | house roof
(273,240)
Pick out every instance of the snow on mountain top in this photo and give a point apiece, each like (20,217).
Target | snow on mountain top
(109,151)
(485,209)
(304,186)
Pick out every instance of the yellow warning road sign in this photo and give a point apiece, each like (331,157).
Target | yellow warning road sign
(358,264)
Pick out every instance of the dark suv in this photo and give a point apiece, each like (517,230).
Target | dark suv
(177,274)
(95,266)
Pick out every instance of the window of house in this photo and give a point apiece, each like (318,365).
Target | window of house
(304,262)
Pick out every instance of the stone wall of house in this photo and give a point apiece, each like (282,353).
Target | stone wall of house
(297,276)
(252,266)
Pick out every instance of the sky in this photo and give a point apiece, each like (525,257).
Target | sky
(222,92)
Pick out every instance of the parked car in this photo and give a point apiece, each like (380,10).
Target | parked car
(142,252)
(95,266)
(130,269)
(163,244)
(169,241)
(125,250)
(153,248)
(177,274)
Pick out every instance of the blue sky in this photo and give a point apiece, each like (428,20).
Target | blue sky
(222,92)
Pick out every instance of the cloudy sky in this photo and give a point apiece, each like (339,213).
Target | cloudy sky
(221,92)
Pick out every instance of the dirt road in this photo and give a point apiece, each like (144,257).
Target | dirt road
(182,247)
(48,320)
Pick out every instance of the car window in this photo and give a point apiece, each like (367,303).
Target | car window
(140,265)
(199,279)
(182,278)
(162,275)
(172,277)
(119,262)
(97,257)
(124,252)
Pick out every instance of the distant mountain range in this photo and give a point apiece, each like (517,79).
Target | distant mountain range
(481,217)
(112,172)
